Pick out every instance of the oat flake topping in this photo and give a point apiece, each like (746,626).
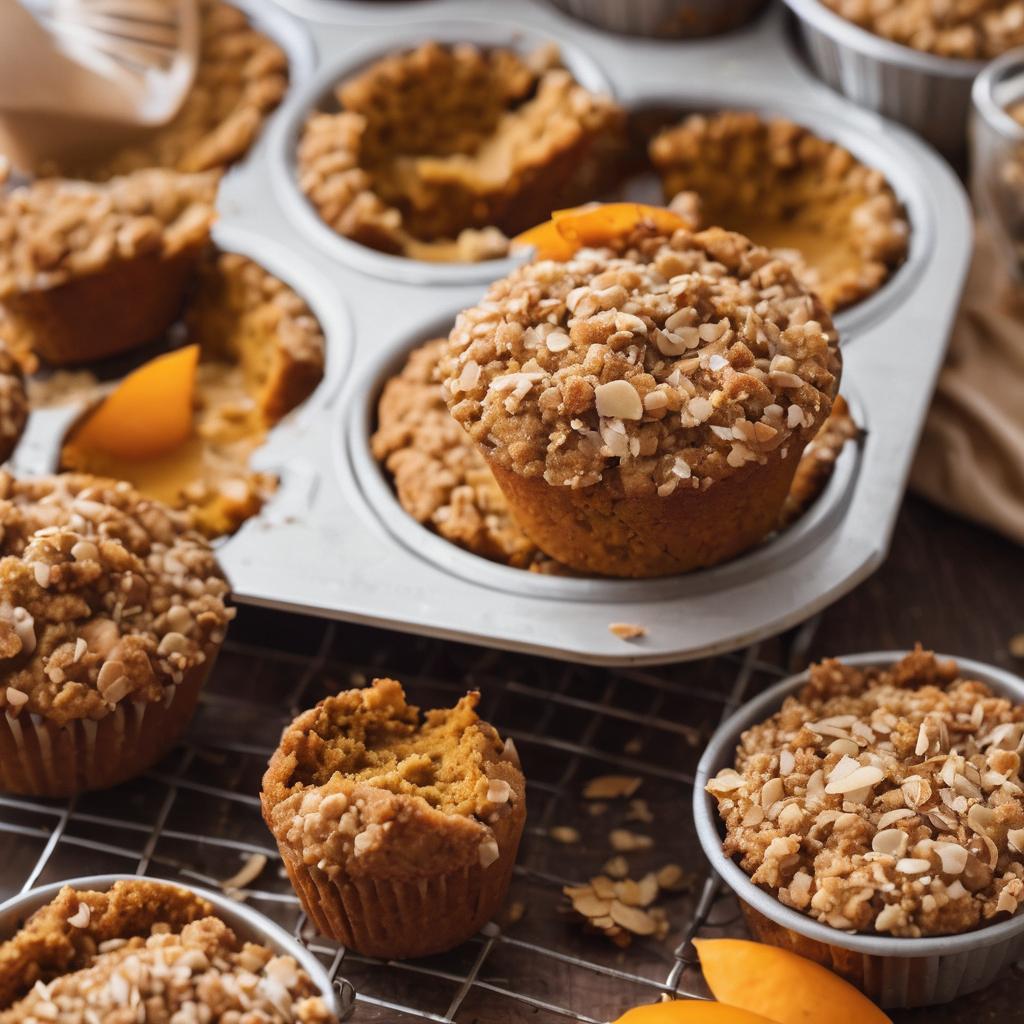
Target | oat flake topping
(106,596)
(672,361)
(883,800)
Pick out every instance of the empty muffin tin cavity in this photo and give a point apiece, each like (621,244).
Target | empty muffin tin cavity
(379,501)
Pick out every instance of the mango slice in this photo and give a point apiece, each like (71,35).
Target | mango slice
(690,1011)
(781,985)
(148,414)
(593,224)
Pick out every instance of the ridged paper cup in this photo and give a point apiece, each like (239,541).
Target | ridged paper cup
(663,19)
(42,758)
(894,972)
(595,530)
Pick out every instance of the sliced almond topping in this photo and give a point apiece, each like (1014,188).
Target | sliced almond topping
(81,917)
(603,887)
(609,787)
(616,866)
(632,919)
(489,852)
(953,857)
(1015,837)
(771,792)
(625,841)
(891,841)
(498,791)
(564,834)
(980,818)
(913,865)
(618,399)
(865,776)
(591,906)
(726,781)
(890,817)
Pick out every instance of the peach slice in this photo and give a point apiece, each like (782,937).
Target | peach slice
(781,985)
(593,224)
(148,414)
(690,1011)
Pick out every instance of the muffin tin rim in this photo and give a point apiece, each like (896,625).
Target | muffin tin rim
(353,458)
(284,137)
(984,102)
(720,753)
(14,912)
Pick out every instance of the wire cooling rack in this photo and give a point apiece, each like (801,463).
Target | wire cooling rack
(195,818)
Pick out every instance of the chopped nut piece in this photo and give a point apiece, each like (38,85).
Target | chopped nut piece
(627,630)
(627,842)
(617,867)
(608,787)
(564,834)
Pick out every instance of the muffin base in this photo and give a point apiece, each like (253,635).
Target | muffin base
(41,758)
(594,530)
(105,313)
(404,918)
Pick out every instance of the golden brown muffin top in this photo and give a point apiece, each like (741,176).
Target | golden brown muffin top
(142,943)
(883,800)
(107,597)
(365,786)
(788,189)
(657,363)
(968,29)
(55,229)
(241,76)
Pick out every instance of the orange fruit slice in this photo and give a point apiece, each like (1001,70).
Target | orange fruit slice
(690,1011)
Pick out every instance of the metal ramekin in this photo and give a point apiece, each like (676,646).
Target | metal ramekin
(924,91)
(248,924)
(894,972)
(663,19)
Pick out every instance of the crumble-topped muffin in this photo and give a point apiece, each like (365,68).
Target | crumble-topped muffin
(113,612)
(86,956)
(442,480)
(262,354)
(966,29)
(788,189)
(398,832)
(643,406)
(883,799)
(442,152)
(72,252)
(241,76)
(13,401)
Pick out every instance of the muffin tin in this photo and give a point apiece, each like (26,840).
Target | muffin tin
(334,541)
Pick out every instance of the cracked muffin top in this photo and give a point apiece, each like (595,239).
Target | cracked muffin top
(883,800)
(106,597)
(789,190)
(88,955)
(365,786)
(441,152)
(967,29)
(656,361)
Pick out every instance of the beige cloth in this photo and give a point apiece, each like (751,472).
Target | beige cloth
(971,458)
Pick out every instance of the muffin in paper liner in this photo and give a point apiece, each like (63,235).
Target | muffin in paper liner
(917,957)
(399,837)
(113,614)
(92,270)
(643,404)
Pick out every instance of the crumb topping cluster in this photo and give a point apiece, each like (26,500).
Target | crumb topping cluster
(200,972)
(788,189)
(106,597)
(362,785)
(969,29)
(658,364)
(441,152)
(241,76)
(54,230)
(883,800)
(14,404)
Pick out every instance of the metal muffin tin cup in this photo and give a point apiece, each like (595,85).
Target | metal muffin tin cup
(926,92)
(663,19)
(248,924)
(894,972)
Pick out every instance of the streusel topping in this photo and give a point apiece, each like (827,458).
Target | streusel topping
(968,29)
(883,800)
(202,971)
(666,362)
(106,597)
(790,190)
(362,784)
(440,152)
(54,230)
(14,403)
(241,76)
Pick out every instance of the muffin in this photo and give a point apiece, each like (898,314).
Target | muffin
(87,955)
(643,405)
(113,613)
(884,801)
(963,29)
(87,271)
(13,402)
(442,480)
(261,354)
(241,76)
(441,152)
(398,833)
(788,189)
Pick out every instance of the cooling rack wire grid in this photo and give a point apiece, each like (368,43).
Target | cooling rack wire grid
(196,816)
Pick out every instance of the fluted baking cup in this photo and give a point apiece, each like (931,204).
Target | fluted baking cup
(663,19)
